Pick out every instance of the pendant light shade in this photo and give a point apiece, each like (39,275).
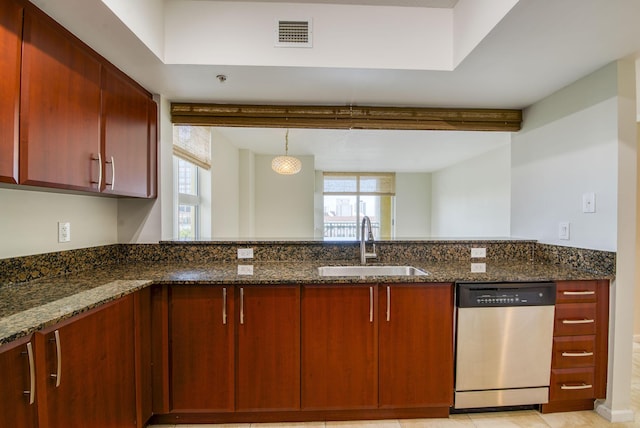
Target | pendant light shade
(286,165)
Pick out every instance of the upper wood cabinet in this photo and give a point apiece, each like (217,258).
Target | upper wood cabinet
(126,115)
(10,51)
(59,107)
(84,125)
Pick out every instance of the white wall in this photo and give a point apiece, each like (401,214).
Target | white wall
(205,32)
(29,221)
(145,18)
(247,190)
(284,205)
(225,188)
(583,139)
(472,198)
(568,147)
(413,205)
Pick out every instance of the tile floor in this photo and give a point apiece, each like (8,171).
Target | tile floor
(526,418)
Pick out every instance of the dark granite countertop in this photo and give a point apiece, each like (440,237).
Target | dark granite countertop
(28,307)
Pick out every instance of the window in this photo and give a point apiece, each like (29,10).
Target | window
(188,217)
(348,197)
(192,158)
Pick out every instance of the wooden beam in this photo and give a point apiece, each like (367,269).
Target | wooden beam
(346,117)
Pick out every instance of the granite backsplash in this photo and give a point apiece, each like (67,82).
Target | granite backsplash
(28,268)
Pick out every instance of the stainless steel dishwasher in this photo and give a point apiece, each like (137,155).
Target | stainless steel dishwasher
(504,338)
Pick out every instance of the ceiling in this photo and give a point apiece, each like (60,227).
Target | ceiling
(539,47)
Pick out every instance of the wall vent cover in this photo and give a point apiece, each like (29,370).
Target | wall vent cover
(294,33)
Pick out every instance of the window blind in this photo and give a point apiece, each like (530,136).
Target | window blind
(365,183)
(193,144)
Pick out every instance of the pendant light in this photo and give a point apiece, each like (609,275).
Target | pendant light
(286,165)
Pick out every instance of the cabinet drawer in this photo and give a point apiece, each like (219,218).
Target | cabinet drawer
(572,384)
(573,351)
(576,292)
(575,319)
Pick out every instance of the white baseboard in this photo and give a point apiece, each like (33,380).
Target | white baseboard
(615,415)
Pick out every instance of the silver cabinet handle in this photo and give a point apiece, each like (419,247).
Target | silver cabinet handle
(241,305)
(224,305)
(583,386)
(99,182)
(32,375)
(584,321)
(113,172)
(577,354)
(370,304)
(578,293)
(58,374)
(388,303)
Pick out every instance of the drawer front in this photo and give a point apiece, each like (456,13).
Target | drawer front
(573,352)
(576,292)
(575,319)
(572,384)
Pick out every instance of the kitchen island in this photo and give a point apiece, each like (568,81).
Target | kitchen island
(172,286)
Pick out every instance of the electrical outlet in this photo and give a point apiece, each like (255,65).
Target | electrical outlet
(245,269)
(478,253)
(589,203)
(64,231)
(478,267)
(564,230)
(245,253)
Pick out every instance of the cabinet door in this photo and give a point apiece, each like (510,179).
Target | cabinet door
(59,108)
(201,344)
(268,348)
(10,50)
(339,347)
(18,392)
(153,149)
(125,115)
(87,369)
(416,345)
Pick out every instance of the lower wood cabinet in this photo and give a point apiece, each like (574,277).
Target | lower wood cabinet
(268,353)
(18,405)
(579,363)
(278,352)
(85,369)
(416,345)
(234,348)
(201,340)
(339,347)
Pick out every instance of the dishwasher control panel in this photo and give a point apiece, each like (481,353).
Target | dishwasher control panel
(484,294)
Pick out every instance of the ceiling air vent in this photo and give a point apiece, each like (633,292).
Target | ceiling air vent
(294,34)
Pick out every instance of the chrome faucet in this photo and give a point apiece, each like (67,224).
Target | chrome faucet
(366,226)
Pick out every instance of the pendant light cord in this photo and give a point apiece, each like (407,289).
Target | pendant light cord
(286,143)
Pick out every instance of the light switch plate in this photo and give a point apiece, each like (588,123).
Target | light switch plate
(245,253)
(245,269)
(564,230)
(478,267)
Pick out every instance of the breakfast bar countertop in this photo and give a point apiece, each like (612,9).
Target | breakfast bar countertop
(30,306)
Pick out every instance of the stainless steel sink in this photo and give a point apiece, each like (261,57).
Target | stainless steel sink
(371,270)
